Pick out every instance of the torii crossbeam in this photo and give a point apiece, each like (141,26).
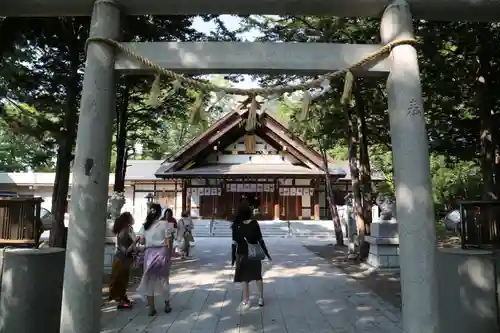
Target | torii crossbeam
(445,10)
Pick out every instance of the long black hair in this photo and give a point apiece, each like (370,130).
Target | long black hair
(154,214)
(244,213)
(122,222)
(168,210)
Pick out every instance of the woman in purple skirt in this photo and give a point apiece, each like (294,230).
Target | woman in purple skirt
(157,238)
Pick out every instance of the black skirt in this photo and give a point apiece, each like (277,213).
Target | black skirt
(247,270)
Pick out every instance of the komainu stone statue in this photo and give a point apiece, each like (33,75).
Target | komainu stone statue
(387,207)
(115,205)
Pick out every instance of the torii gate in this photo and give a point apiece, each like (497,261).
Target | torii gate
(84,259)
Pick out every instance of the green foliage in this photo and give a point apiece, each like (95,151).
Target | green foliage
(454,58)
(21,152)
(460,77)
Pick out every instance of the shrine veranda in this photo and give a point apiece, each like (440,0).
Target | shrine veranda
(84,259)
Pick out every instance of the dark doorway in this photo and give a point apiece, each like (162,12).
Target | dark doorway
(252,198)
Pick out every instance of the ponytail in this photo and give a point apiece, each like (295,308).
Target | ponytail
(153,215)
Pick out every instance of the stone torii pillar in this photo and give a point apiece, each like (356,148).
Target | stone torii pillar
(82,289)
(414,206)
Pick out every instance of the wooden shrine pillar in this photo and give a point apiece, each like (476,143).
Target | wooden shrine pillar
(315,200)
(276,200)
(184,195)
(175,200)
(298,207)
(317,215)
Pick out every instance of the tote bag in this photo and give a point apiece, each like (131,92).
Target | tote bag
(255,251)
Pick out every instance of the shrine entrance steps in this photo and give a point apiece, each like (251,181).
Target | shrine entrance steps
(280,229)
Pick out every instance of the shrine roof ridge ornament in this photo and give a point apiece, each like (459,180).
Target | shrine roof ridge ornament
(441,10)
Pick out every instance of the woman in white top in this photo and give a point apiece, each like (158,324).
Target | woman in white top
(184,235)
(157,238)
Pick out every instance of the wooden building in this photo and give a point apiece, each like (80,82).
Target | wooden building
(275,171)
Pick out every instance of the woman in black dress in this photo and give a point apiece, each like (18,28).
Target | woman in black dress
(245,229)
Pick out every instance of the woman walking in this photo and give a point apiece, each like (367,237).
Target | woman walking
(184,235)
(123,259)
(158,240)
(248,250)
(168,216)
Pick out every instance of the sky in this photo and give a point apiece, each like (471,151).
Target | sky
(232,23)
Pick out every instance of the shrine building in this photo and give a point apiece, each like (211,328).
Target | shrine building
(279,174)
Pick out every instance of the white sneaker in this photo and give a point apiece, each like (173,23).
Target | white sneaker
(245,305)
(261,302)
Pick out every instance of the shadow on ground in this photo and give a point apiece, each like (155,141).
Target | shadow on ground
(386,284)
(303,294)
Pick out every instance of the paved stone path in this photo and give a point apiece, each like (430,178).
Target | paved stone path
(303,295)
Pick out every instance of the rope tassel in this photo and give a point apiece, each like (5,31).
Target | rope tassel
(154,95)
(306,104)
(348,85)
(252,115)
(197,109)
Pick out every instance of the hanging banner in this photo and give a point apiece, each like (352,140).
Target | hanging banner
(252,188)
(282,192)
(311,191)
(207,191)
(266,187)
(246,187)
(300,191)
(286,191)
(219,191)
(306,191)
(213,191)
(293,191)
(240,188)
(234,188)
(271,188)
(228,187)
(260,187)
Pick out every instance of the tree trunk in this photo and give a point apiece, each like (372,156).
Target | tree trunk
(121,139)
(485,104)
(356,190)
(339,236)
(66,140)
(365,172)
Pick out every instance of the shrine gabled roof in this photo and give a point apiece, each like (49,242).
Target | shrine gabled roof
(231,125)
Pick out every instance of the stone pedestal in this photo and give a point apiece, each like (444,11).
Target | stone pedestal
(384,244)
(30,290)
(109,246)
(467,282)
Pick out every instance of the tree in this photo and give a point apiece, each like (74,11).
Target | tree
(21,152)
(51,79)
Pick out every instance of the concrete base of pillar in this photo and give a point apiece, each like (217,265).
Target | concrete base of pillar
(384,244)
(109,247)
(467,291)
(31,293)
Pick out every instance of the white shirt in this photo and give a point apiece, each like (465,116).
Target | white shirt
(157,234)
(181,226)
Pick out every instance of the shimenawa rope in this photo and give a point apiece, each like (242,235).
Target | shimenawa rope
(275,90)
